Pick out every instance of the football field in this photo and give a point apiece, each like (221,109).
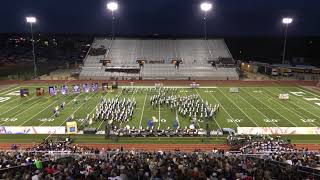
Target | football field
(251,107)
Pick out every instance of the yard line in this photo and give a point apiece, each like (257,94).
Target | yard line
(159,114)
(306,102)
(5,92)
(67,118)
(213,117)
(271,109)
(22,111)
(96,107)
(14,98)
(239,108)
(224,108)
(144,103)
(66,104)
(288,108)
(184,91)
(93,109)
(17,106)
(7,102)
(100,125)
(308,92)
(263,113)
(38,113)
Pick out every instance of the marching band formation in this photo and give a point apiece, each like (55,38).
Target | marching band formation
(116,109)
(191,106)
(153,90)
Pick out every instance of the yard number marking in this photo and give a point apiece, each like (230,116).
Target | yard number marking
(3,99)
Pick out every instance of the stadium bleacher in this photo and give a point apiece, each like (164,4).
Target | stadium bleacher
(158,56)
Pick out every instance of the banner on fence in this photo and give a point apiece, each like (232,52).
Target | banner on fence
(279,130)
(32,130)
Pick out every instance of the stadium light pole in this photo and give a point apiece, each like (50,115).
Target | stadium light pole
(205,7)
(286,21)
(32,20)
(112,6)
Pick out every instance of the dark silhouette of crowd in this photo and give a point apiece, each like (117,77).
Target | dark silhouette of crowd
(46,161)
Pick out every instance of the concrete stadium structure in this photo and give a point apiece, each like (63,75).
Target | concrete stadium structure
(198,60)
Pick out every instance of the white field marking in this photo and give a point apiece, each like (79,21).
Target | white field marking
(93,109)
(224,109)
(134,92)
(39,112)
(13,93)
(144,103)
(8,91)
(239,108)
(310,92)
(312,99)
(270,109)
(288,108)
(99,125)
(66,105)
(305,102)
(96,107)
(8,88)
(67,118)
(29,107)
(178,87)
(17,106)
(297,93)
(214,119)
(159,119)
(12,100)
(23,110)
(197,120)
(4,99)
(257,110)
(9,101)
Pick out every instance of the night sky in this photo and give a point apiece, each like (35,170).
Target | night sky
(170,17)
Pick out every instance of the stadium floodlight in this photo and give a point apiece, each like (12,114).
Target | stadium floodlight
(286,21)
(31,20)
(112,6)
(206,6)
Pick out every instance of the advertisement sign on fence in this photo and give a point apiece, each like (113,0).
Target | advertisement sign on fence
(279,130)
(32,130)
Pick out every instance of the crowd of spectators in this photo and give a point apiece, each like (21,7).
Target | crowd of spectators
(259,144)
(79,162)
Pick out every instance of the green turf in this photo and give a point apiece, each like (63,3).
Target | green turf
(253,106)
